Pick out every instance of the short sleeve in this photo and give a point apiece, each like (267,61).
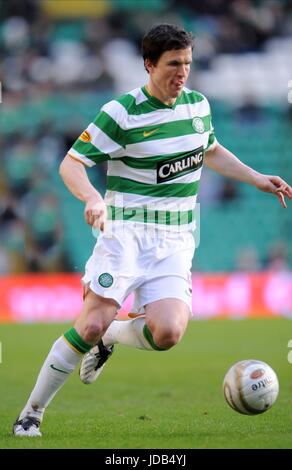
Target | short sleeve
(102,140)
(212,138)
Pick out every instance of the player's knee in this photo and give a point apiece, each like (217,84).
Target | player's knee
(95,318)
(168,337)
(93,330)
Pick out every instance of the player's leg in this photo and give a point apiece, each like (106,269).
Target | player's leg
(166,319)
(159,329)
(96,315)
(172,294)
(165,322)
(166,300)
(168,297)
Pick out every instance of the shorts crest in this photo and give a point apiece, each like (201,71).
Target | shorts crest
(105,280)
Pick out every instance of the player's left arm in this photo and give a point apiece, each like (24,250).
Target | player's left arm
(221,160)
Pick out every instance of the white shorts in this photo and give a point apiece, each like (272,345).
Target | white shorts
(152,265)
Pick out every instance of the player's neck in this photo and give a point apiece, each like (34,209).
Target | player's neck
(155,92)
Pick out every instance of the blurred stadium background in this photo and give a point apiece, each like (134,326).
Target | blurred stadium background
(60,61)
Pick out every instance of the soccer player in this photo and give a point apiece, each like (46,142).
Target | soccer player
(155,139)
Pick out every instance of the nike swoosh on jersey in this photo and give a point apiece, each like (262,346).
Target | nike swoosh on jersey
(148,133)
(59,370)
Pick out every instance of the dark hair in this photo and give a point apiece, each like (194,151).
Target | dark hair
(164,37)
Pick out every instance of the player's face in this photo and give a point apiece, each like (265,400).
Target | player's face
(170,74)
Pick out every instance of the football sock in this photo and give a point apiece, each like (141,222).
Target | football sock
(130,333)
(59,364)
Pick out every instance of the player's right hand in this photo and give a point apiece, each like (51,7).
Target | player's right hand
(95,213)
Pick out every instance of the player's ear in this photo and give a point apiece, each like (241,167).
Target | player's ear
(148,65)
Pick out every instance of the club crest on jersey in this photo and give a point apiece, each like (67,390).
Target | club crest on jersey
(170,169)
(198,125)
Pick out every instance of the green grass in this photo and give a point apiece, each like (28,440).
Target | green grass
(153,400)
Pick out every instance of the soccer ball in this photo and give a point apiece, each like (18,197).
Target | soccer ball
(251,387)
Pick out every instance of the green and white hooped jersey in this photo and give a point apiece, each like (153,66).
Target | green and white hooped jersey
(155,155)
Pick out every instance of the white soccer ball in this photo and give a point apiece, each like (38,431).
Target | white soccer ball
(251,387)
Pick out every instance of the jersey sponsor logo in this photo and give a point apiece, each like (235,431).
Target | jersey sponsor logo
(85,136)
(105,280)
(198,125)
(148,133)
(183,165)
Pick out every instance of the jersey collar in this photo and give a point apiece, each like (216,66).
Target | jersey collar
(156,102)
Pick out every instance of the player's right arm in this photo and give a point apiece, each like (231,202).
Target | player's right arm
(74,175)
(101,141)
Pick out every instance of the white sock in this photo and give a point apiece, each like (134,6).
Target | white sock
(59,364)
(127,332)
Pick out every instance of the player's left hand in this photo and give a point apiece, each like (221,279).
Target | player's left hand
(275,185)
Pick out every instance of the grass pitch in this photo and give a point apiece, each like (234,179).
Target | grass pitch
(166,400)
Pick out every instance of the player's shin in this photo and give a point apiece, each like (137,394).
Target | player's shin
(59,364)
